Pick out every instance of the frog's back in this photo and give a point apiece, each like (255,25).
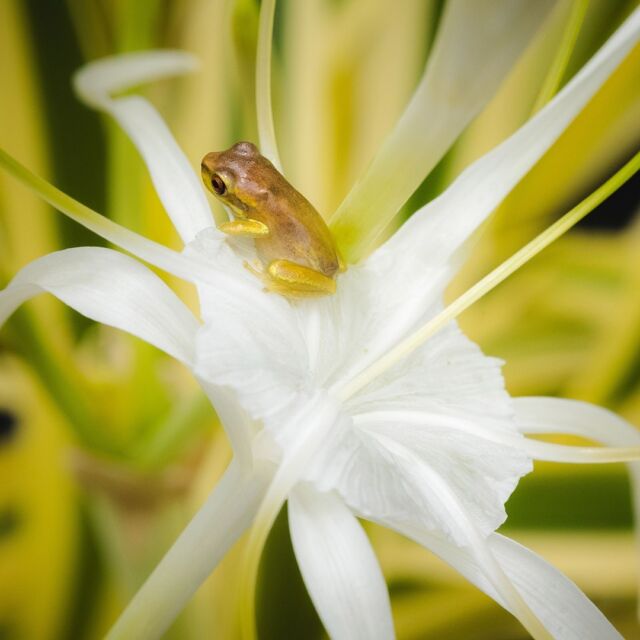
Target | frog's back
(297,231)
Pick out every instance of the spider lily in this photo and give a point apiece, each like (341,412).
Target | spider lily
(370,403)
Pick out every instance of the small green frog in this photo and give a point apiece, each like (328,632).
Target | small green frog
(292,240)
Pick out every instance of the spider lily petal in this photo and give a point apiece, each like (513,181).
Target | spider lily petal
(558,415)
(565,611)
(437,230)
(175,181)
(238,425)
(339,567)
(113,289)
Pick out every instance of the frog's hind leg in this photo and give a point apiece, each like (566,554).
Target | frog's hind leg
(296,281)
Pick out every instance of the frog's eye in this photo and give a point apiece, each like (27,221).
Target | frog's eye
(218,185)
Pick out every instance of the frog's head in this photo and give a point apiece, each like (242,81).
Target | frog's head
(239,177)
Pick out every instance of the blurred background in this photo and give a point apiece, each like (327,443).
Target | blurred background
(107,446)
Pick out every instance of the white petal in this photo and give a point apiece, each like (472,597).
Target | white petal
(177,185)
(390,475)
(540,415)
(481,473)
(95,82)
(305,430)
(250,341)
(477,44)
(223,518)
(464,531)
(565,611)
(419,425)
(560,415)
(339,567)
(251,345)
(113,289)
(237,424)
(429,237)
(371,319)
(448,380)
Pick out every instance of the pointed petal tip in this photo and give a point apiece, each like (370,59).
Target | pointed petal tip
(94,81)
(176,183)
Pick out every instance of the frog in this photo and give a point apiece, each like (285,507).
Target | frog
(294,245)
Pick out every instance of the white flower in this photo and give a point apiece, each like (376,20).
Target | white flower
(339,405)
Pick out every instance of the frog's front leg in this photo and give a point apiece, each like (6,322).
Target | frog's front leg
(290,279)
(248,228)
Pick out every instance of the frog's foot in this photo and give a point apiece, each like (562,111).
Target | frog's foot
(295,281)
(248,228)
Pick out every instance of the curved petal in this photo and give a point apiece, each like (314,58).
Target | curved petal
(393,474)
(416,428)
(461,527)
(542,415)
(223,518)
(562,607)
(372,320)
(305,431)
(250,342)
(433,234)
(386,479)
(566,612)
(339,567)
(559,415)
(113,289)
(177,185)
(416,403)
(237,424)
(477,44)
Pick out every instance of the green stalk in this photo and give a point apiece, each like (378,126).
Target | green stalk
(561,61)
